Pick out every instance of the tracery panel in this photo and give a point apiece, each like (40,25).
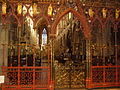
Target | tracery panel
(97,44)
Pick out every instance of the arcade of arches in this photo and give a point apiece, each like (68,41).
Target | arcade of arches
(59,44)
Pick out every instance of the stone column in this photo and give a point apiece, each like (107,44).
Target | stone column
(19,40)
(88,63)
(3,45)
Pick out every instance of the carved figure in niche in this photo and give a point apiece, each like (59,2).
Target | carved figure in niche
(50,10)
(117,13)
(91,12)
(104,12)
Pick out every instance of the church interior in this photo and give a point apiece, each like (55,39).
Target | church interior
(59,44)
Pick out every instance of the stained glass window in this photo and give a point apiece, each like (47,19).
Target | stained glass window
(44,37)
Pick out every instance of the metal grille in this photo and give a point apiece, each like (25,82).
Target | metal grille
(97,75)
(27,78)
(118,74)
(105,76)
(72,76)
(110,74)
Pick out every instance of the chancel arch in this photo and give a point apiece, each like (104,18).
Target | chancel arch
(80,17)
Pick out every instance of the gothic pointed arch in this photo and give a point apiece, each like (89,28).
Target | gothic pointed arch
(96,19)
(110,32)
(109,38)
(110,19)
(13,16)
(80,17)
(12,13)
(42,27)
(118,33)
(96,37)
(118,43)
(38,19)
(13,29)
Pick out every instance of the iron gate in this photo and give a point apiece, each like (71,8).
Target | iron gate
(71,76)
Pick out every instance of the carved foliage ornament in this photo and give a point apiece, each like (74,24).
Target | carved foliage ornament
(71,4)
